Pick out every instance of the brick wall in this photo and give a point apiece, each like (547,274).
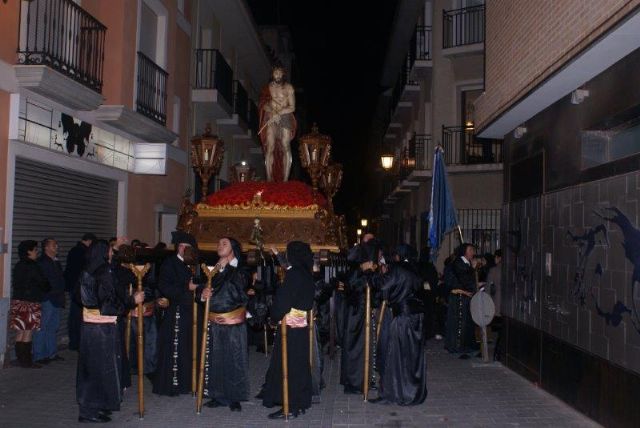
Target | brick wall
(528,40)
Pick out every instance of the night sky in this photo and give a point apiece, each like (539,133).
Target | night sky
(340,48)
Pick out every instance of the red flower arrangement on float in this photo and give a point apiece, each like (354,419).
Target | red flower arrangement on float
(289,194)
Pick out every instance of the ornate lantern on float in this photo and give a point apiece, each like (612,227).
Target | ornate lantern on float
(242,172)
(330,181)
(207,152)
(315,150)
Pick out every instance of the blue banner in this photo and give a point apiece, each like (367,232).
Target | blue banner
(442,215)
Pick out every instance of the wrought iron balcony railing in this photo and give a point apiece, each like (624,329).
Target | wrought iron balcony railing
(414,156)
(213,72)
(151,99)
(462,27)
(63,36)
(420,46)
(240,101)
(462,147)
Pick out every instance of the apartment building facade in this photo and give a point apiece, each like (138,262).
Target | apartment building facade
(434,71)
(99,103)
(562,89)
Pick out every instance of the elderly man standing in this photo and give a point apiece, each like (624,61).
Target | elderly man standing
(45,346)
(76,260)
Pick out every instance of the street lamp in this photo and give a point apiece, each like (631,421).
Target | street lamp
(358,232)
(206,156)
(386,160)
(364,222)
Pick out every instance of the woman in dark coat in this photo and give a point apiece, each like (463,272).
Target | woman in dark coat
(98,388)
(29,289)
(291,303)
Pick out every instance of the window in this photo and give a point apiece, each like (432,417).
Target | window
(603,146)
(467,114)
(148,32)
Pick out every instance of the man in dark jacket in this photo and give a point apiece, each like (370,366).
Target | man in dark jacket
(461,283)
(76,259)
(45,346)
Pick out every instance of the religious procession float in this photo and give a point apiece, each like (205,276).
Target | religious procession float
(267,213)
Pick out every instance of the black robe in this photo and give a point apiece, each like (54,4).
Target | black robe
(226,358)
(297,292)
(460,335)
(98,384)
(173,375)
(402,368)
(353,340)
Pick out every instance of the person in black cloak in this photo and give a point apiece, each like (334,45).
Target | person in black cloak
(353,341)
(401,359)
(226,357)
(176,283)
(98,389)
(290,305)
(461,283)
(123,255)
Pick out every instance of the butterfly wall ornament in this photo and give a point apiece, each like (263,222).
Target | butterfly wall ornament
(76,135)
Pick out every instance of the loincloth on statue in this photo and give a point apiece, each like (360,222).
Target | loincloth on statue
(287,121)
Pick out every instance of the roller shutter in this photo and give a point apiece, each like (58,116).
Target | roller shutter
(54,202)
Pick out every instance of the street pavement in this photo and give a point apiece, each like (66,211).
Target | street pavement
(462,393)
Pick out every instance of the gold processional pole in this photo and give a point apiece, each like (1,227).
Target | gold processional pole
(210,272)
(383,308)
(127,333)
(140,271)
(266,342)
(194,343)
(311,338)
(367,338)
(285,369)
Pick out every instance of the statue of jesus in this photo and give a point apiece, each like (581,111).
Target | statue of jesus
(277,125)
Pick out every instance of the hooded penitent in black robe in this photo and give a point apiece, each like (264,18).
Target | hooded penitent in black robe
(460,337)
(226,358)
(297,292)
(98,377)
(354,335)
(173,374)
(402,366)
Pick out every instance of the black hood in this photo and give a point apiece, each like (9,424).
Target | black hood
(406,252)
(299,255)
(369,251)
(97,255)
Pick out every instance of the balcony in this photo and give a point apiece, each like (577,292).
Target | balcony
(151,99)
(213,87)
(237,124)
(61,53)
(463,31)
(462,148)
(148,121)
(419,58)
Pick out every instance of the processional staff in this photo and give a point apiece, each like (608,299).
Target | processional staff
(140,271)
(127,333)
(194,343)
(210,272)
(367,344)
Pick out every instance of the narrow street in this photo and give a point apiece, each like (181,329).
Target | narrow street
(462,393)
